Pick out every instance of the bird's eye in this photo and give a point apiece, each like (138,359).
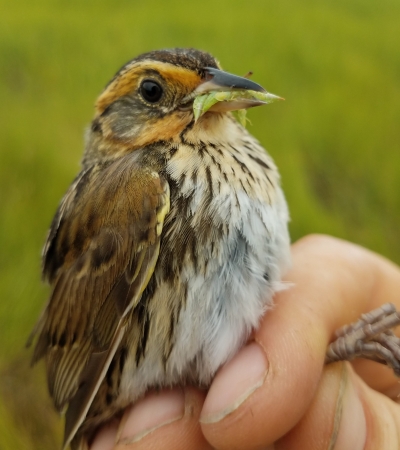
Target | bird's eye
(151,91)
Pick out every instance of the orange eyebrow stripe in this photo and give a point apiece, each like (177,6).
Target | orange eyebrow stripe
(129,79)
(176,74)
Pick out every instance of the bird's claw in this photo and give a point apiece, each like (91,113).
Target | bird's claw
(371,337)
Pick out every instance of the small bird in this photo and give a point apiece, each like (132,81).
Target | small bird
(168,246)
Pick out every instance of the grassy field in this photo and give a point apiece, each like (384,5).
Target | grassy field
(336,138)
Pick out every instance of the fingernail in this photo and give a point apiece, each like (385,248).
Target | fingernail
(350,419)
(147,415)
(235,383)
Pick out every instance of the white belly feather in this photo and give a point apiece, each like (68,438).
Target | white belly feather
(229,294)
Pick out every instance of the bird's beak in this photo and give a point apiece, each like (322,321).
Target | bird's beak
(218,80)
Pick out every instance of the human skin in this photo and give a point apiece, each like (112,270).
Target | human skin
(276,393)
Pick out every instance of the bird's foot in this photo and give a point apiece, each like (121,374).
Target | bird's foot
(371,337)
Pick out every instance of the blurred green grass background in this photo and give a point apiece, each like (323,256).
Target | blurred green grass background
(335,139)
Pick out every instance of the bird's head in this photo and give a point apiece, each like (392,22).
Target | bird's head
(151,98)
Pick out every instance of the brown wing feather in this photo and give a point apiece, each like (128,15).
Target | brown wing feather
(100,254)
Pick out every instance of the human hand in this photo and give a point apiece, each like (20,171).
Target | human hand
(276,391)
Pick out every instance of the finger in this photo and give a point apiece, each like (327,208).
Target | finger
(346,414)
(165,420)
(382,417)
(335,418)
(333,283)
(353,281)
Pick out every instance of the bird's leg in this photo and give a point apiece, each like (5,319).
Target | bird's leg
(371,337)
